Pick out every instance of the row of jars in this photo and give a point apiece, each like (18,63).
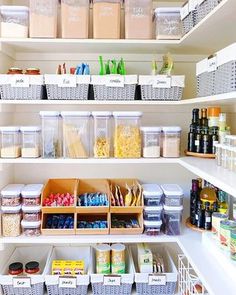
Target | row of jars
(69,134)
(226,153)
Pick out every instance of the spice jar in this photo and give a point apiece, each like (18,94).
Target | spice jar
(15,269)
(171,142)
(151,142)
(11,195)
(32,71)
(10,142)
(30,142)
(15,71)
(11,218)
(213,116)
(32,268)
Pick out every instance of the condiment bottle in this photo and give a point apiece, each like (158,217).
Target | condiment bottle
(213,116)
(199,215)
(15,71)
(214,138)
(222,202)
(207,217)
(206,142)
(191,138)
(194,198)
(204,120)
(195,117)
(15,269)
(32,71)
(198,138)
(32,268)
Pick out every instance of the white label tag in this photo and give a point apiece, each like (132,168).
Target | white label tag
(184,11)
(112,281)
(197,142)
(67,81)
(208,219)
(21,283)
(67,282)
(19,81)
(115,81)
(212,64)
(157,280)
(162,82)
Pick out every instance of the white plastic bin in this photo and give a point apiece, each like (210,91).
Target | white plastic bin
(10,142)
(54,283)
(30,141)
(31,195)
(171,142)
(151,142)
(173,194)
(14,21)
(152,194)
(138,19)
(76,134)
(34,284)
(11,195)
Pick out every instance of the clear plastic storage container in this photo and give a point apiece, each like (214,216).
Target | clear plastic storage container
(173,194)
(138,19)
(151,142)
(10,142)
(106,19)
(168,23)
(171,142)
(76,134)
(152,194)
(31,213)
(127,138)
(172,220)
(43,18)
(75,19)
(11,218)
(11,195)
(30,142)
(102,134)
(31,195)
(51,137)
(152,228)
(152,213)
(14,21)
(31,228)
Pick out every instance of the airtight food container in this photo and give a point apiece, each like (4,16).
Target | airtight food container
(30,141)
(31,195)
(172,220)
(151,138)
(153,213)
(11,195)
(31,228)
(11,218)
(152,194)
(152,228)
(171,142)
(173,194)
(10,142)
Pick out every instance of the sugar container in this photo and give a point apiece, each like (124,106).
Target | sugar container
(31,195)
(30,142)
(138,19)
(11,218)
(127,138)
(173,194)
(172,220)
(31,228)
(171,142)
(102,134)
(151,142)
(76,134)
(10,142)
(106,19)
(51,137)
(14,21)
(11,195)
(75,19)
(152,194)
(43,18)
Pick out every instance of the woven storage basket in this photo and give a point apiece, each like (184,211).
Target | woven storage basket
(206,77)
(82,281)
(24,255)
(127,280)
(152,87)
(204,8)
(226,70)
(22,87)
(143,281)
(189,16)
(67,87)
(125,91)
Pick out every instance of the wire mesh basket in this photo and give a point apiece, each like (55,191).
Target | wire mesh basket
(206,77)
(204,8)
(226,78)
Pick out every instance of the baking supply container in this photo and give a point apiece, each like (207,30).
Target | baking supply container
(30,142)
(10,142)
(171,142)
(173,194)
(151,142)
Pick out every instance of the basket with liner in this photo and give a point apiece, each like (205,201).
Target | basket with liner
(67,87)
(114,87)
(154,283)
(69,283)
(22,87)
(205,7)
(189,15)
(25,284)
(104,279)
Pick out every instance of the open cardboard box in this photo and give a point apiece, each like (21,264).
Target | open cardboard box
(93,217)
(127,231)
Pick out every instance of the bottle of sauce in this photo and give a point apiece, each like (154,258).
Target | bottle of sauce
(199,215)
(32,268)
(204,120)
(207,217)
(206,142)
(191,138)
(198,139)
(215,138)
(15,269)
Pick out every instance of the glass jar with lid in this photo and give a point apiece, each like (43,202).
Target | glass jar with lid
(151,142)
(218,153)
(11,219)
(10,142)
(30,141)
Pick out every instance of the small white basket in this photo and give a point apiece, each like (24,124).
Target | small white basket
(123,283)
(114,87)
(31,284)
(162,87)
(149,284)
(71,87)
(54,283)
(22,87)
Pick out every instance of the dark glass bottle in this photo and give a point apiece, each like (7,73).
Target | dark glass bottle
(195,117)
(191,138)
(198,139)
(207,217)
(194,198)
(214,137)
(199,216)
(204,120)
(206,143)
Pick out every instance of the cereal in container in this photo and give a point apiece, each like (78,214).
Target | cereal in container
(10,142)
(11,218)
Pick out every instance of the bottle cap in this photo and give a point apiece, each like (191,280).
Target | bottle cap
(214,112)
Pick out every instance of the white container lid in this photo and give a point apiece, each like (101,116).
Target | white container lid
(31,209)
(152,190)
(103,248)
(176,209)
(30,129)
(171,129)
(32,190)
(152,223)
(13,8)
(150,209)
(49,114)
(127,114)
(12,190)
(172,190)
(11,209)
(101,114)
(151,129)
(10,129)
(30,224)
(118,247)
(167,9)
(75,114)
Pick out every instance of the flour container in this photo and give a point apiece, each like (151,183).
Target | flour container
(30,142)
(151,142)
(10,142)
(171,142)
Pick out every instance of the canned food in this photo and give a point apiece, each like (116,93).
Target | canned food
(118,259)
(226,226)
(103,264)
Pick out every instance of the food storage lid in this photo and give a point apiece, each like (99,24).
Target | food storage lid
(12,190)
(49,114)
(171,129)
(173,208)
(103,248)
(10,129)
(167,10)
(75,114)
(32,190)
(30,129)
(151,129)
(30,224)
(102,114)
(152,223)
(13,8)
(152,190)
(172,190)
(150,209)
(31,209)
(11,209)
(127,114)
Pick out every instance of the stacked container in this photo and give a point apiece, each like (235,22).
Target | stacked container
(171,141)
(151,142)
(173,208)
(152,194)
(30,142)
(10,142)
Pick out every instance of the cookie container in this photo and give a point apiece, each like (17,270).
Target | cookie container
(152,194)
(11,195)
(173,194)
(152,213)
(31,195)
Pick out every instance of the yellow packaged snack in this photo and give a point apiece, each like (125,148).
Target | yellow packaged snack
(58,267)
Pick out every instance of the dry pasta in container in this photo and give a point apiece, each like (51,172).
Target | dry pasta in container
(31,195)
(11,195)
(30,141)
(10,142)
(11,219)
